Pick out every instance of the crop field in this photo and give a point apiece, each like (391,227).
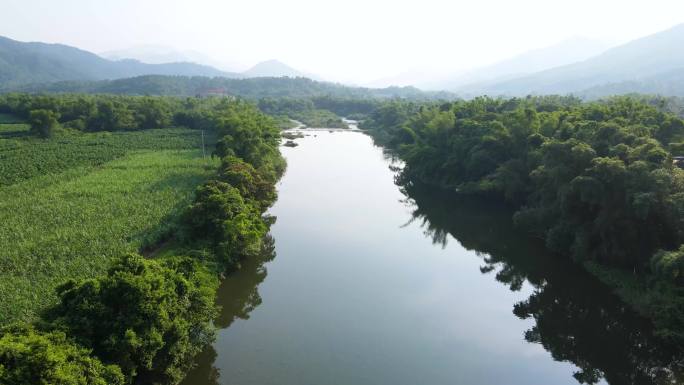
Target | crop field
(69,220)
(23,157)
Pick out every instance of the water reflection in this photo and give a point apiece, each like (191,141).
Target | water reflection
(237,296)
(576,318)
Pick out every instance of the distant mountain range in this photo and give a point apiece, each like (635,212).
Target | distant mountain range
(157,54)
(275,68)
(566,52)
(40,67)
(652,64)
(563,53)
(24,63)
(36,63)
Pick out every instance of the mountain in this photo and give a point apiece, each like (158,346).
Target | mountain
(156,54)
(25,63)
(669,83)
(274,68)
(654,58)
(250,88)
(425,78)
(565,52)
(160,54)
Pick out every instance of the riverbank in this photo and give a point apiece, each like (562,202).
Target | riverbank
(581,175)
(371,282)
(130,319)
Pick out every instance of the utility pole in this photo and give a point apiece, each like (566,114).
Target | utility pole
(204,153)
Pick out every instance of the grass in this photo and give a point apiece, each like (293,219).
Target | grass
(56,226)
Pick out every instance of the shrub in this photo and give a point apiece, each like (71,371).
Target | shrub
(28,357)
(248,181)
(669,265)
(221,215)
(151,318)
(43,122)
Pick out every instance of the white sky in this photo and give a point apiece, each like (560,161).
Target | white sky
(346,40)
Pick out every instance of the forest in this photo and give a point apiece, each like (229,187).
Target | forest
(111,274)
(349,192)
(145,202)
(595,180)
(250,88)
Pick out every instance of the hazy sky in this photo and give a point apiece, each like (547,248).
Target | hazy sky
(350,40)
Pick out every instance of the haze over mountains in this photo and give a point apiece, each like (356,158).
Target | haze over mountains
(584,67)
(275,68)
(652,64)
(565,52)
(159,54)
(34,62)
(154,54)
(24,63)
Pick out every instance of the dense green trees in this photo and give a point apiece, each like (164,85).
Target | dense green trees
(245,132)
(388,122)
(122,113)
(346,106)
(227,212)
(145,320)
(669,264)
(303,110)
(109,113)
(320,111)
(569,312)
(596,180)
(250,88)
(150,318)
(43,122)
(221,215)
(251,183)
(28,356)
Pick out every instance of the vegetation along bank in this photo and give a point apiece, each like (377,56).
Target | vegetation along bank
(100,180)
(596,180)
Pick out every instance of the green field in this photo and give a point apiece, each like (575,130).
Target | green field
(23,157)
(73,203)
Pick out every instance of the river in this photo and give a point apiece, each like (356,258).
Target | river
(366,285)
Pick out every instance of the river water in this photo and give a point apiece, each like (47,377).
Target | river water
(369,283)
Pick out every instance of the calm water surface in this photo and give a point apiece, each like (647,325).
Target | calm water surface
(367,286)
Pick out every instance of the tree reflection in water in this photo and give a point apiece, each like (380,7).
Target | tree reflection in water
(237,296)
(577,319)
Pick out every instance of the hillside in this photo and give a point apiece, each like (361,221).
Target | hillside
(159,54)
(669,83)
(26,63)
(251,88)
(658,56)
(273,68)
(565,52)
